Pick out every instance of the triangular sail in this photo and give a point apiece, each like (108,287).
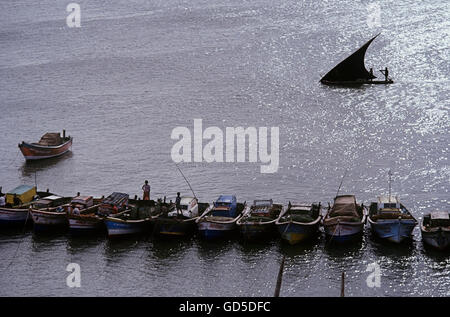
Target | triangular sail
(352,68)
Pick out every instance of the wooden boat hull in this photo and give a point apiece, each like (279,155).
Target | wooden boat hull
(439,239)
(294,233)
(39,152)
(47,220)
(85,224)
(254,231)
(393,230)
(343,231)
(119,228)
(14,217)
(173,227)
(212,230)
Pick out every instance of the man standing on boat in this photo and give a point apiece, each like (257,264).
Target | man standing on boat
(385,72)
(146,189)
(178,204)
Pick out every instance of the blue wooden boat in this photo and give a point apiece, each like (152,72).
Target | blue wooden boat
(299,222)
(345,220)
(258,221)
(435,229)
(136,218)
(175,224)
(390,220)
(220,220)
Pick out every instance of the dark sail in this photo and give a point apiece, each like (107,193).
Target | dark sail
(352,68)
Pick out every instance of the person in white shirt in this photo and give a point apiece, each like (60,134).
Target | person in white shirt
(2,201)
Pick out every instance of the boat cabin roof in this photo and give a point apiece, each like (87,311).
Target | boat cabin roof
(19,190)
(385,199)
(226,199)
(186,200)
(439,215)
(52,197)
(263,203)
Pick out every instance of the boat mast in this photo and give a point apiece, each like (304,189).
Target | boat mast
(341,182)
(390,174)
(186,180)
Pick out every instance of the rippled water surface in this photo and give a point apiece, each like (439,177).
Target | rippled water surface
(135,70)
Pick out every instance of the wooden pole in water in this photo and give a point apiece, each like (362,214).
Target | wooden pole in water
(279,279)
(343,284)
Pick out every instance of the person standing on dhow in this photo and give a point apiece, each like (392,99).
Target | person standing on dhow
(146,189)
(385,72)
(178,204)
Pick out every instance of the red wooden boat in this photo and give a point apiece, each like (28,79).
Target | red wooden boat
(50,145)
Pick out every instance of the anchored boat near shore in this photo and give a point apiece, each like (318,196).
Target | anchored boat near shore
(299,222)
(174,223)
(258,222)
(390,220)
(435,229)
(17,204)
(220,220)
(87,219)
(345,220)
(49,213)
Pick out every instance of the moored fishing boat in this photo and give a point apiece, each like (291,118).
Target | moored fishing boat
(173,223)
(258,221)
(345,220)
(49,213)
(299,222)
(390,220)
(435,229)
(50,145)
(136,218)
(17,203)
(86,220)
(220,219)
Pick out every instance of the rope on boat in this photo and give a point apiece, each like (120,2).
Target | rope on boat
(20,242)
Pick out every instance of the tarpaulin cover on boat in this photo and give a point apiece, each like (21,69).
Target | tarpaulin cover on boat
(352,68)
(344,206)
(51,139)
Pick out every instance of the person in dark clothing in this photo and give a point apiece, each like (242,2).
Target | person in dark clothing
(16,200)
(371,74)
(146,189)
(178,204)
(385,72)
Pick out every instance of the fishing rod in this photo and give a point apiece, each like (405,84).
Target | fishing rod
(186,180)
(342,180)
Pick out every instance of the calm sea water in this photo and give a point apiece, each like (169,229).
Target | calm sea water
(135,70)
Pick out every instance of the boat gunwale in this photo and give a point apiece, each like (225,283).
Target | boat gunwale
(35,145)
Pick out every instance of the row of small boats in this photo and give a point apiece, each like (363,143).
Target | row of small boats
(343,221)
